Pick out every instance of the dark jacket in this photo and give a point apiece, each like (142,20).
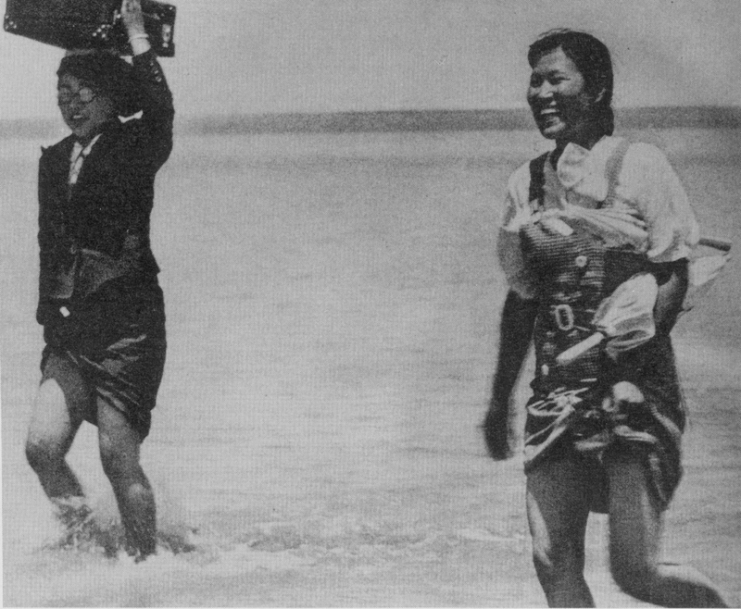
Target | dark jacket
(95,234)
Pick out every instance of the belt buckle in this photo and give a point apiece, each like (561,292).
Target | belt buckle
(564,317)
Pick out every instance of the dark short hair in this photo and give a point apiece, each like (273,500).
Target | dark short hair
(108,75)
(592,58)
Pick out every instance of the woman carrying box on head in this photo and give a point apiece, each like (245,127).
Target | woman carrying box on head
(99,299)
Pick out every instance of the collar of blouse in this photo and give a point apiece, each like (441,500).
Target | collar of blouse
(584,170)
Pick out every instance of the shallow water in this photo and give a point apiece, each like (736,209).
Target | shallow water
(332,304)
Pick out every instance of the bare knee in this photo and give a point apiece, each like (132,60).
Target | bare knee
(44,455)
(127,478)
(116,466)
(119,446)
(52,427)
(121,466)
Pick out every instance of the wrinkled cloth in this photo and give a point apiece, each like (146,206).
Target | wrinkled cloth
(569,411)
(118,348)
(570,266)
(585,421)
(99,300)
(646,188)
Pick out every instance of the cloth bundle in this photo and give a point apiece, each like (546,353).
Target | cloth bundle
(625,318)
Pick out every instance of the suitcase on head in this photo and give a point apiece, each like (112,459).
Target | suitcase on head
(85,24)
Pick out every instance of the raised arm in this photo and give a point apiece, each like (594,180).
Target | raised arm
(156,99)
(516,331)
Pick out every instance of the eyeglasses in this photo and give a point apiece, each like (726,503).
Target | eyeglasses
(84,94)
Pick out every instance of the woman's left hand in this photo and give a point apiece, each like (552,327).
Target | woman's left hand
(133,19)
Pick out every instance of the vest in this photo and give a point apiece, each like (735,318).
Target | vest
(575,272)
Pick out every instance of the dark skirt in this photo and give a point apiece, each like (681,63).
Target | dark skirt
(116,340)
(570,414)
(579,423)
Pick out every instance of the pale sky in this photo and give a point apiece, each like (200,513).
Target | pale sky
(257,56)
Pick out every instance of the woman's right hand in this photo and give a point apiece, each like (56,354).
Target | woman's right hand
(515,332)
(496,432)
(132,17)
(133,20)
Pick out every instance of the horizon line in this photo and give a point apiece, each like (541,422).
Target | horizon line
(639,117)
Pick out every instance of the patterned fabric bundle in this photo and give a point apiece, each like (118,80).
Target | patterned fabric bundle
(574,408)
(626,318)
(570,273)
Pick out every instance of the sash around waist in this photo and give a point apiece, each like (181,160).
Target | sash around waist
(83,271)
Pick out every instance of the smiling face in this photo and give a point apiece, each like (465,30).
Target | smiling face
(561,106)
(84,116)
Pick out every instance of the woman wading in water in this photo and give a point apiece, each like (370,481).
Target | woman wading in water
(99,299)
(603,432)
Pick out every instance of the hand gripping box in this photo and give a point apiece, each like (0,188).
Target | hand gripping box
(83,24)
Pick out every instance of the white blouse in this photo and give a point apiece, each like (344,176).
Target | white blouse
(648,212)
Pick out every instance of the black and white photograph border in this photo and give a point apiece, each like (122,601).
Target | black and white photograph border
(327,229)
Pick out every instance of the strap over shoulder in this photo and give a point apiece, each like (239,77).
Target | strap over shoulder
(537,178)
(612,170)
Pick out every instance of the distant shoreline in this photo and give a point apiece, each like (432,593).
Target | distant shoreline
(700,117)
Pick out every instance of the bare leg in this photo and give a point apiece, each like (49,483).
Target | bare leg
(557,509)
(635,532)
(56,416)
(119,453)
